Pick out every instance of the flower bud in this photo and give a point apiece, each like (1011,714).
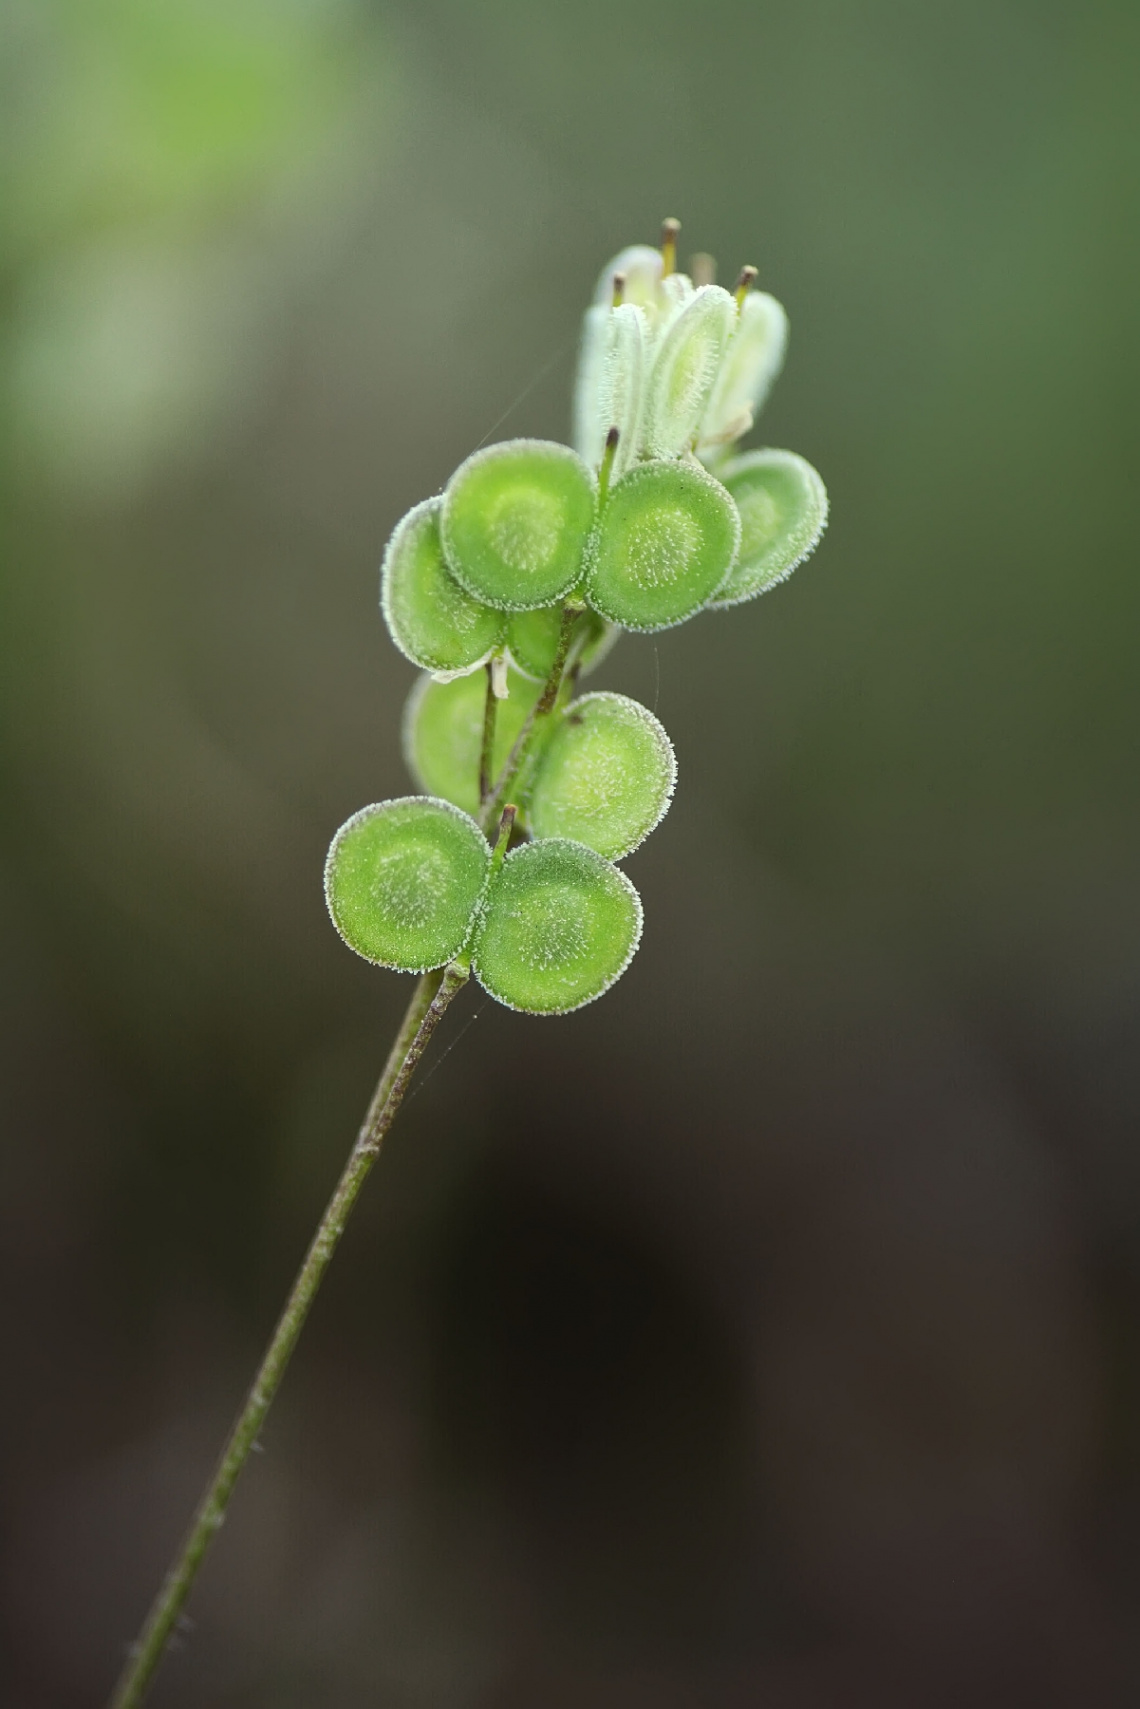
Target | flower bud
(684,369)
(589,434)
(639,268)
(618,387)
(754,357)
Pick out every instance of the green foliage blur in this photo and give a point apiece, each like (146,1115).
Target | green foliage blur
(270,270)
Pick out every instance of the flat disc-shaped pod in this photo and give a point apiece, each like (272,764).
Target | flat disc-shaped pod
(432,620)
(443,733)
(560,925)
(783,511)
(515,521)
(664,543)
(606,776)
(533,637)
(404,879)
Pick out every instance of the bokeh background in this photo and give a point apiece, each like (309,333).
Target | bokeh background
(768,1333)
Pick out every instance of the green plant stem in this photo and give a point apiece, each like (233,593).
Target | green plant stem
(490,714)
(542,709)
(434,991)
(570,616)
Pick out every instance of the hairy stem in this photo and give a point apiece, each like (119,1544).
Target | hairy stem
(549,695)
(490,712)
(432,995)
(542,709)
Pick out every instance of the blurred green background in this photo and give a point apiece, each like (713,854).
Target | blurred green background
(767,1333)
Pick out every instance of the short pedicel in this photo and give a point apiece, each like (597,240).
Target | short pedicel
(533,637)
(443,733)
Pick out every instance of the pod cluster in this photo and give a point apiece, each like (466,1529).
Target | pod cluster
(515,582)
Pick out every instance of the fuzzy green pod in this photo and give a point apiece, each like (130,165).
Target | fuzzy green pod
(639,269)
(674,294)
(684,369)
(621,385)
(404,879)
(663,546)
(783,512)
(515,521)
(533,637)
(606,776)
(751,363)
(443,733)
(433,621)
(589,436)
(560,926)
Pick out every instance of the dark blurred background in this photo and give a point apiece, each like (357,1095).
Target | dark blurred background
(769,1333)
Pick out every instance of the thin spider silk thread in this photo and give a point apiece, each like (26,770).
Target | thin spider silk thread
(566,345)
(440,1060)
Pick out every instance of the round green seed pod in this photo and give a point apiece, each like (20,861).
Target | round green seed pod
(664,544)
(533,636)
(515,521)
(783,512)
(432,620)
(606,776)
(404,880)
(560,926)
(443,733)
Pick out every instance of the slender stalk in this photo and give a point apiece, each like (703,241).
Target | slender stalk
(490,712)
(549,695)
(544,705)
(432,995)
